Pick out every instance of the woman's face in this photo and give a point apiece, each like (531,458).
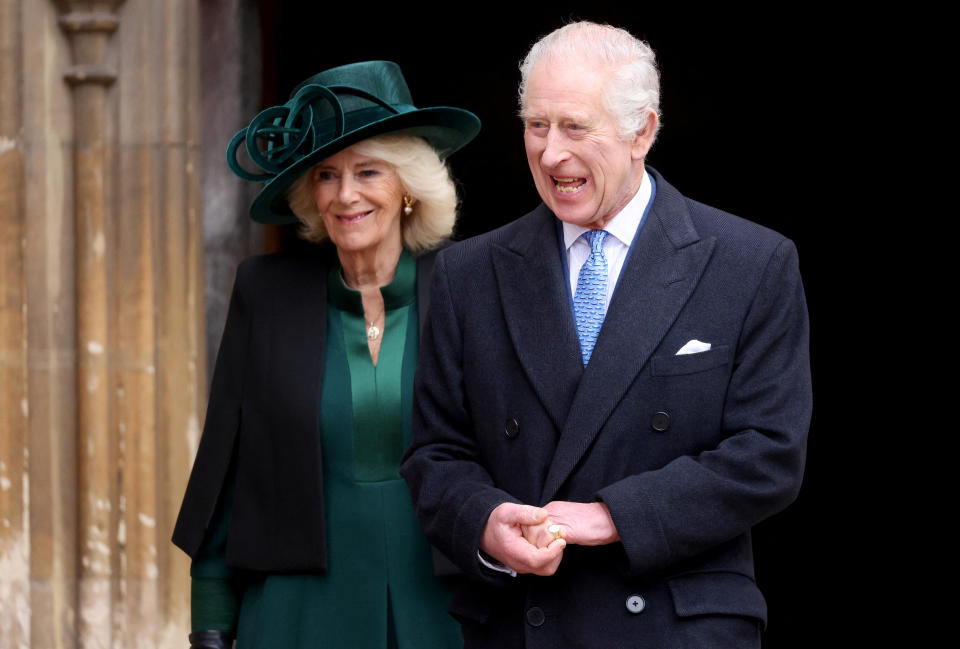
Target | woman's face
(359,199)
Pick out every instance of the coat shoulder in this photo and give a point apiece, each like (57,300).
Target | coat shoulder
(273,272)
(733,233)
(278,263)
(474,253)
(731,229)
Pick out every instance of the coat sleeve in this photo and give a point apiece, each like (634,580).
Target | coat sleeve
(216,589)
(695,503)
(212,462)
(453,493)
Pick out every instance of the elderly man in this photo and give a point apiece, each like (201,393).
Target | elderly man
(613,389)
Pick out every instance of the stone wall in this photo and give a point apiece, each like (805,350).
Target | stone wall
(102,325)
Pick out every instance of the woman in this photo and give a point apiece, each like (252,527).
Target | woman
(301,531)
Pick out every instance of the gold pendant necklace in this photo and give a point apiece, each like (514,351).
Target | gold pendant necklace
(373,331)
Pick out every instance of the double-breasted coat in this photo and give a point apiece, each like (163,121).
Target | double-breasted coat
(688,452)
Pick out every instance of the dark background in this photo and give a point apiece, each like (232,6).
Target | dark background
(764,116)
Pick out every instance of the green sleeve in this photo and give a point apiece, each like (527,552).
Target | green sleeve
(215,591)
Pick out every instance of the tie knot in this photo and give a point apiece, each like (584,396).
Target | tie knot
(595,239)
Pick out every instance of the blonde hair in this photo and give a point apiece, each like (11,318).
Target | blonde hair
(422,174)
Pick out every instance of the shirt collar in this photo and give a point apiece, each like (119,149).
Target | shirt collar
(624,225)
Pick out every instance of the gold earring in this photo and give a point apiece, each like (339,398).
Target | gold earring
(408,202)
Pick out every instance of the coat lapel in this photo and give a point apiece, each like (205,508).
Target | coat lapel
(536,307)
(664,269)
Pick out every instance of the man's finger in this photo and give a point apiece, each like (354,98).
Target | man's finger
(531,515)
(531,559)
(520,514)
(544,533)
(548,558)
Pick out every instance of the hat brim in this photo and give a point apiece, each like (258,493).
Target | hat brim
(446,129)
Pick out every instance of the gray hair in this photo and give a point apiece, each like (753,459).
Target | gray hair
(422,174)
(634,89)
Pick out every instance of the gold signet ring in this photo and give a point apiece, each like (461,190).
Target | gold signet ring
(556,530)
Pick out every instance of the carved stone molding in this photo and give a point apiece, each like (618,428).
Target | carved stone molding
(89,26)
(89,21)
(80,22)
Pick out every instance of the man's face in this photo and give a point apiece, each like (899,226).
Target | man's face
(582,169)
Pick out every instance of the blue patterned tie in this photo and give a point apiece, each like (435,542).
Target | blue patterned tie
(590,301)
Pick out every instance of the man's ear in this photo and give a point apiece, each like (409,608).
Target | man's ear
(644,137)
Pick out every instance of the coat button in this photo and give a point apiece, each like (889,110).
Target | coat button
(535,616)
(635,604)
(511,427)
(660,422)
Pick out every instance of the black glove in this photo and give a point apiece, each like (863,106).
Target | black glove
(211,640)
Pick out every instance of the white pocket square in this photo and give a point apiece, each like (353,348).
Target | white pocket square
(693,347)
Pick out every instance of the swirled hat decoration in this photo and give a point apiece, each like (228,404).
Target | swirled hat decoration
(329,112)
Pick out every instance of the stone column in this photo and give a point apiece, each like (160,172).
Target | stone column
(135,311)
(38,460)
(89,25)
(51,395)
(134,83)
(14,468)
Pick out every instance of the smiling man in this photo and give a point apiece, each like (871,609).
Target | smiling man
(612,390)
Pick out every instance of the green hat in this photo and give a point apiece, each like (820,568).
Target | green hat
(329,112)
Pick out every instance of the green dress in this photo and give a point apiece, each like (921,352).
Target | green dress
(379,590)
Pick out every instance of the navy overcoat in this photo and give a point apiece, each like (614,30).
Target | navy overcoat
(689,452)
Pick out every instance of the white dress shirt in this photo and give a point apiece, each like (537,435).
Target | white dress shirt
(621,229)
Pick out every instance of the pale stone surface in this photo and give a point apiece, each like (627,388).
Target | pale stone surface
(101,318)
(230,99)
(14,467)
